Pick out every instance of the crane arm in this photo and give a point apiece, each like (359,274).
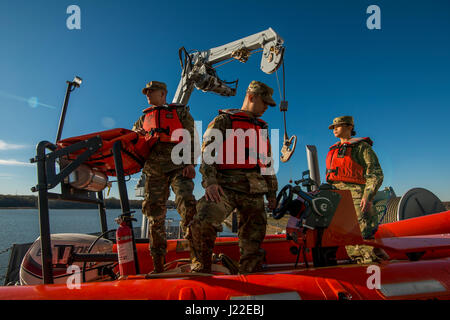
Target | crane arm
(268,39)
(198,67)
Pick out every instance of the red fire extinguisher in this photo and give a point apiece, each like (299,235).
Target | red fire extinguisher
(125,251)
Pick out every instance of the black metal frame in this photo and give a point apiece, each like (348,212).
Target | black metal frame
(48,179)
(71,85)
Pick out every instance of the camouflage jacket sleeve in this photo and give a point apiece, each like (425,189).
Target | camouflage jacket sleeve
(372,169)
(138,124)
(189,124)
(209,170)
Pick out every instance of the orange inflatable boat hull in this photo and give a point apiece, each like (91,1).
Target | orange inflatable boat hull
(427,278)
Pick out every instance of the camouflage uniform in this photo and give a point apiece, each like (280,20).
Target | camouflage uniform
(161,173)
(363,154)
(244,190)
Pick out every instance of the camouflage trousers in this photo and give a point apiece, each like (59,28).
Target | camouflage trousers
(154,206)
(251,229)
(368,224)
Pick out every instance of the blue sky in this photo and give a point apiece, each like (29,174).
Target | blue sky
(394,81)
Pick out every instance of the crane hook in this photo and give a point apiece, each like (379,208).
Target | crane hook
(288,148)
(288,143)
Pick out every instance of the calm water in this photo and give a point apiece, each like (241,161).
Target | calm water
(22,225)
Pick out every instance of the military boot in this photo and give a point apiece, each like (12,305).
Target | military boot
(201,248)
(252,263)
(202,263)
(381,254)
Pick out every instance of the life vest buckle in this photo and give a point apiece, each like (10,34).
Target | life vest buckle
(335,171)
(342,150)
(159,130)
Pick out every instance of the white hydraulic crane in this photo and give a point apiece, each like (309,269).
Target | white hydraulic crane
(199,71)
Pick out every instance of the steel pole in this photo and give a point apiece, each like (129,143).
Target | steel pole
(124,203)
(102,212)
(44,221)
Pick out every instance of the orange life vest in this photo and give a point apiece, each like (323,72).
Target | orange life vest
(160,122)
(134,150)
(340,164)
(248,155)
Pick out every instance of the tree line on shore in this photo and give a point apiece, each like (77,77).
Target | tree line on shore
(25,201)
(30,201)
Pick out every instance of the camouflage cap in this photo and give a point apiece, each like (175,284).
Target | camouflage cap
(341,120)
(262,90)
(154,85)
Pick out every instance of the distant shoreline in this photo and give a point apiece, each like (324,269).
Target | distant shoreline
(21,208)
(1,208)
(31,202)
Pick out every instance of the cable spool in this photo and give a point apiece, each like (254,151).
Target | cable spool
(391,210)
(416,202)
(419,202)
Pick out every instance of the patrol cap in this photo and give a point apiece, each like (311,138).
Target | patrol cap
(341,120)
(262,90)
(154,85)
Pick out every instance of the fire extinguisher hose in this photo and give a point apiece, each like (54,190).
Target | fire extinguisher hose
(90,248)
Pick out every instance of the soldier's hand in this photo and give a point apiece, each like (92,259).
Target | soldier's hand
(140,131)
(189,171)
(366,205)
(272,203)
(213,193)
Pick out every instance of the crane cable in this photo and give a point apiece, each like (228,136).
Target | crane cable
(288,143)
(234,59)
(283,99)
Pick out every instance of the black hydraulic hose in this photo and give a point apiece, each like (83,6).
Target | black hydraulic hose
(298,256)
(304,249)
(304,255)
(89,250)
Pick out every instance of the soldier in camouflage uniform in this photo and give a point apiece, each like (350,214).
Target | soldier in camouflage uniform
(354,166)
(234,188)
(161,172)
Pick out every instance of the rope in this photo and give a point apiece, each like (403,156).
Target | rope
(226,61)
(2,277)
(278,83)
(234,59)
(5,250)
